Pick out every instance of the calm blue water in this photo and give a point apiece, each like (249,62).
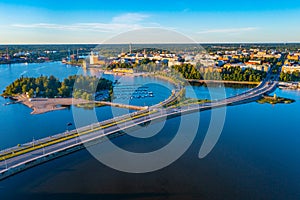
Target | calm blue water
(256,157)
(18,126)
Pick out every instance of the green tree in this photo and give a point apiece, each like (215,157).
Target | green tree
(31,93)
(24,89)
(37,91)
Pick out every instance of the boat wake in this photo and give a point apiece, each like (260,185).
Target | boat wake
(24,72)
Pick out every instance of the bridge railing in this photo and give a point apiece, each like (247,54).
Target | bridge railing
(259,89)
(81,129)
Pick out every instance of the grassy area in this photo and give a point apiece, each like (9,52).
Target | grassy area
(190,101)
(89,105)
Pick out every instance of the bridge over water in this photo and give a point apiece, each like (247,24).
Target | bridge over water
(17,159)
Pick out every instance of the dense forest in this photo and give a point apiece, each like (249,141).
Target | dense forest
(34,52)
(238,74)
(77,85)
(227,74)
(290,77)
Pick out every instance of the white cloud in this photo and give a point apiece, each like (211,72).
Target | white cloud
(229,30)
(130,18)
(123,22)
(98,27)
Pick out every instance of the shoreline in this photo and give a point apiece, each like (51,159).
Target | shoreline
(44,105)
(165,78)
(289,86)
(162,78)
(27,63)
(224,82)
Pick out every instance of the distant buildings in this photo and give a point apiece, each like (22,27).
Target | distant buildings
(95,59)
(291,69)
(139,57)
(253,65)
(256,59)
(294,56)
(292,63)
(260,67)
(123,70)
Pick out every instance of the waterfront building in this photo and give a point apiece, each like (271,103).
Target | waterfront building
(123,70)
(293,57)
(94,59)
(291,68)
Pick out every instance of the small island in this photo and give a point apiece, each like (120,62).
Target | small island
(275,100)
(44,94)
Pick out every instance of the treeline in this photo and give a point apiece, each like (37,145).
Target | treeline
(80,86)
(238,74)
(145,63)
(227,74)
(290,77)
(119,65)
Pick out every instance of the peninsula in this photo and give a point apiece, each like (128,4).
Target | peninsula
(44,94)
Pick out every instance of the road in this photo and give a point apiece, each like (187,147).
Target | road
(15,159)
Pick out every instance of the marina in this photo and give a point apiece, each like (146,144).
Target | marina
(289,86)
(132,92)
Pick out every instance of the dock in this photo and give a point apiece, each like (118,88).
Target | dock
(119,105)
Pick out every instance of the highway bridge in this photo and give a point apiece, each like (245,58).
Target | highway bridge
(22,157)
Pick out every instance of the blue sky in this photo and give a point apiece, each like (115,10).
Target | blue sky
(94,21)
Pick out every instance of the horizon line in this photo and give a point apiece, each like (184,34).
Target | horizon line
(295,42)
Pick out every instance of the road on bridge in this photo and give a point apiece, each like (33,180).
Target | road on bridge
(15,159)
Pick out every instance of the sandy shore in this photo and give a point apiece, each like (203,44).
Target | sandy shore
(43,105)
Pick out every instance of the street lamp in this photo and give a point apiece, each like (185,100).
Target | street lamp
(33,141)
(5,164)
(67,127)
(43,149)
